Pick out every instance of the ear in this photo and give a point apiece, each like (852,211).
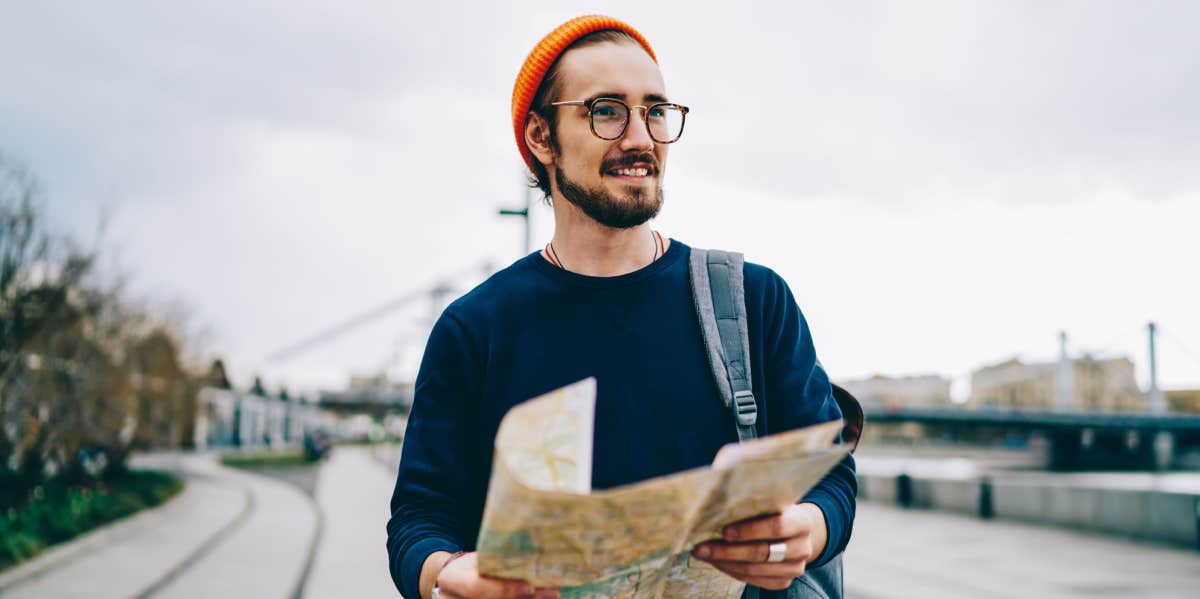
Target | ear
(537,139)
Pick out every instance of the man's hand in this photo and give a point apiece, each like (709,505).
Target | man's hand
(743,552)
(460,579)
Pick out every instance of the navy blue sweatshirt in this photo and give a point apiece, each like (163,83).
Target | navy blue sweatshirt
(533,328)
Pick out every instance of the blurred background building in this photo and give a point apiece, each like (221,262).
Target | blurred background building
(882,392)
(1093,384)
(1183,401)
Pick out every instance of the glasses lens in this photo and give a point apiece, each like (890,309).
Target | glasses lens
(666,122)
(609,118)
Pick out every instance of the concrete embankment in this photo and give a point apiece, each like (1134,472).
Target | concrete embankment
(1162,508)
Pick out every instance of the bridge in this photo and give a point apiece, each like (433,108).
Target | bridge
(1075,440)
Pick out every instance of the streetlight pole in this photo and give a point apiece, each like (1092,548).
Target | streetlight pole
(523,213)
(1064,384)
(1155,402)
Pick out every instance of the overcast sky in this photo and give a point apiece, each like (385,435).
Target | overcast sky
(943,184)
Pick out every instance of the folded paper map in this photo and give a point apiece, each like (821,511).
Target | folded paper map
(543,523)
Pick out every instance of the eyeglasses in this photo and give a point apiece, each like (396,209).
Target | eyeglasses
(610,117)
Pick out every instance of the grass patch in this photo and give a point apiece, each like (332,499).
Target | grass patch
(370,442)
(52,513)
(274,459)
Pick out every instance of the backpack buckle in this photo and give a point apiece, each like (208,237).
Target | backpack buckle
(745,407)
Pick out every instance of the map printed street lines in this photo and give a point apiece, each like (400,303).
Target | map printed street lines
(543,524)
(558,455)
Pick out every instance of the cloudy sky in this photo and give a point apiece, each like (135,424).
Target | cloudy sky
(944,184)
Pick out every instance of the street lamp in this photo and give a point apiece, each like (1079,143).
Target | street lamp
(523,213)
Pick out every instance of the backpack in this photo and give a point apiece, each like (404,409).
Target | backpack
(719,292)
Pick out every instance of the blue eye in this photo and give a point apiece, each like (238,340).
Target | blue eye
(658,112)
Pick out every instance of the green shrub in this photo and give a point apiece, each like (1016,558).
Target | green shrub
(53,513)
(16,546)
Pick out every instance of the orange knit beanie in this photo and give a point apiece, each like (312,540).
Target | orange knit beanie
(544,54)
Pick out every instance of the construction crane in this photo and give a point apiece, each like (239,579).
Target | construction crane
(437,293)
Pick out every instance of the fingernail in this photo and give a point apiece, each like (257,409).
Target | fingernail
(703,551)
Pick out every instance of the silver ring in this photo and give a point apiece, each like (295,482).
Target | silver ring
(776,552)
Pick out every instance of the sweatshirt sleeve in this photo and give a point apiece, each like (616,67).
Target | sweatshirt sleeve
(799,394)
(437,482)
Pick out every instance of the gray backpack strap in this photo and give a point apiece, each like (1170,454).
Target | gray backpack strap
(719,290)
(718,287)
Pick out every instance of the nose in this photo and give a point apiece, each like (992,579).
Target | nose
(637,132)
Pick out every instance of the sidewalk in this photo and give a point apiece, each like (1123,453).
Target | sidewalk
(264,557)
(917,553)
(351,561)
(227,534)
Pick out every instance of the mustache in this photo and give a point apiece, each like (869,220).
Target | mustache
(630,160)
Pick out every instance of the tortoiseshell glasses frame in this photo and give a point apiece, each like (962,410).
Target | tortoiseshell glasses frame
(609,118)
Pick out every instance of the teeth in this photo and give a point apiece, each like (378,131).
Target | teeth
(632,172)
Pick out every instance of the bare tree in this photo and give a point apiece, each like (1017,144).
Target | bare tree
(84,376)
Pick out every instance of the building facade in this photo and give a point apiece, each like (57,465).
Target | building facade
(1088,384)
(1183,401)
(231,419)
(885,392)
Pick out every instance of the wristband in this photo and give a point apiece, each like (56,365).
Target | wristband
(436,593)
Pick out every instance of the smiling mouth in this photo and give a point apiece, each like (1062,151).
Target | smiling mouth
(634,173)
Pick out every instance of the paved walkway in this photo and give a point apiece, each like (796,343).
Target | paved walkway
(234,534)
(264,557)
(914,553)
(351,561)
(228,534)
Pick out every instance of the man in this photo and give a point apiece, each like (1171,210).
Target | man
(607,297)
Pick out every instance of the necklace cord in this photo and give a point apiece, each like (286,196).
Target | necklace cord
(655,238)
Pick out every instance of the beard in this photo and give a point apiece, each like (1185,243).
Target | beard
(608,210)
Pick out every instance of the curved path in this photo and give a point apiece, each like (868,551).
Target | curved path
(234,534)
(228,534)
(351,560)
